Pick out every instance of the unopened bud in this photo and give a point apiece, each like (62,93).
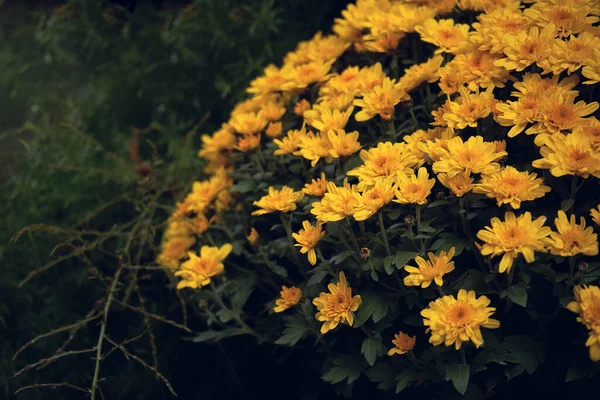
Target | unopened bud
(410,220)
(365,253)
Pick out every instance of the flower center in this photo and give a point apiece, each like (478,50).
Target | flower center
(461,314)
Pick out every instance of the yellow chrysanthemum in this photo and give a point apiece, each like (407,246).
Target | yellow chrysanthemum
(417,74)
(247,143)
(373,199)
(283,200)
(385,161)
(413,189)
(587,305)
(509,186)
(570,55)
(477,70)
(472,156)
(514,236)
(381,100)
(595,214)
(289,297)
(456,320)
(325,119)
(315,146)
(468,108)
(444,34)
(290,143)
(459,184)
(198,270)
(271,81)
(337,203)
(336,306)
(559,113)
(301,107)
(248,123)
(495,25)
(175,249)
(402,344)
(432,270)
(274,129)
(525,48)
(343,144)
(570,154)
(572,238)
(253,237)
(568,17)
(303,75)
(308,238)
(316,187)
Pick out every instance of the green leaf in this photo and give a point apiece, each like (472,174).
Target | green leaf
(404,378)
(579,370)
(459,374)
(317,277)
(341,257)
(244,187)
(374,306)
(387,264)
(369,349)
(381,372)
(348,366)
(296,329)
(518,295)
(401,258)
(565,205)
(215,335)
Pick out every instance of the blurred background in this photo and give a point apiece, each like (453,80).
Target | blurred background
(101,102)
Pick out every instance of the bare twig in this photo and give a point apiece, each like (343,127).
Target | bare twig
(155,316)
(49,360)
(150,332)
(126,342)
(128,355)
(51,386)
(55,331)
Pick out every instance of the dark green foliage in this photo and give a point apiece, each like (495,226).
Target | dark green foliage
(78,79)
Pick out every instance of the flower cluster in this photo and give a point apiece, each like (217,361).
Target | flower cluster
(456,152)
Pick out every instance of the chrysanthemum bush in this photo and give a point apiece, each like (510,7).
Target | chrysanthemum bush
(415,195)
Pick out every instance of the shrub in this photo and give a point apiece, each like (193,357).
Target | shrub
(410,197)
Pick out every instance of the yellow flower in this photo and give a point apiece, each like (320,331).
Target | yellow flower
(472,156)
(477,70)
(591,69)
(595,214)
(459,184)
(444,34)
(248,143)
(325,119)
(559,113)
(301,106)
(220,142)
(587,305)
(509,186)
(308,238)
(273,129)
(197,271)
(248,123)
(402,344)
(570,55)
(253,237)
(373,199)
(283,200)
(430,271)
(290,143)
(571,238)
(175,249)
(271,81)
(592,131)
(313,147)
(371,77)
(570,154)
(414,189)
(417,74)
(385,161)
(566,16)
(336,306)
(469,107)
(494,25)
(525,48)
(343,144)
(381,100)
(514,236)
(272,111)
(303,75)
(456,320)
(337,203)
(316,187)
(290,296)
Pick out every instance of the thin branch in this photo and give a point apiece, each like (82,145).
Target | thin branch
(55,331)
(76,329)
(155,316)
(150,332)
(51,360)
(126,342)
(128,355)
(51,386)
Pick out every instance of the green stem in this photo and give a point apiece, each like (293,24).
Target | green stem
(463,356)
(414,117)
(573,192)
(384,234)
(288,229)
(571,270)
(418,217)
(237,318)
(352,235)
(391,131)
